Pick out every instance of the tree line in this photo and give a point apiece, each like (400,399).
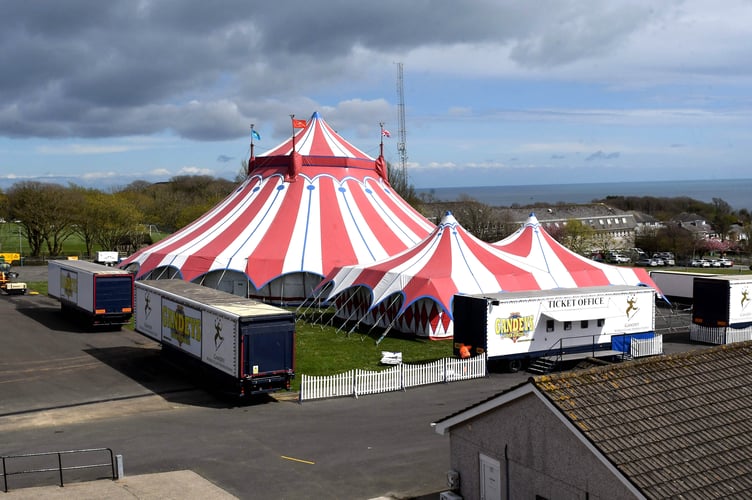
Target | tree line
(49,214)
(119,219)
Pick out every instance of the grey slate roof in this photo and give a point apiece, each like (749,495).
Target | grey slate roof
(677,426)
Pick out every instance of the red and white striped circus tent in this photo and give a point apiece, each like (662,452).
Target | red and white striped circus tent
(313,203)
(563,267)
(413,291)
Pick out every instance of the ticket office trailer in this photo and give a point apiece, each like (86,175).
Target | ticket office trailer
(97,294)
(677,286)
(517,327)
(722,311)
(241,346)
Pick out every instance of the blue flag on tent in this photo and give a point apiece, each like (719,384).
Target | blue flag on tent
(255,135)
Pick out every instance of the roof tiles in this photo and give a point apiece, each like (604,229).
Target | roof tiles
(676,426)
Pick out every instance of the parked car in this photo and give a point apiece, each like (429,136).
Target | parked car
(666,257)
(700,263)
(726,262)
(648,262)
(618,258)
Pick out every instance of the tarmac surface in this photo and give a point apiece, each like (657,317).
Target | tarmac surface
(176,485)
(66,389)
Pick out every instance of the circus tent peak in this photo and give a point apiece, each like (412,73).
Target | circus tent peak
(299,214)
(318,138)
(317,146)
(533,243)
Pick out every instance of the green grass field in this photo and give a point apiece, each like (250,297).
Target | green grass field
(11,241)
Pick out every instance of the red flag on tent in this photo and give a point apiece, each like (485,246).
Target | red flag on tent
(298,123)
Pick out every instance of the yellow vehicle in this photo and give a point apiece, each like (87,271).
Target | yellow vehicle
(6,280)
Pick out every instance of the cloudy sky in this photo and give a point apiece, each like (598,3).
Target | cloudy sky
(496,91)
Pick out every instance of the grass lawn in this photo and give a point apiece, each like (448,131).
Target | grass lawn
(73,245)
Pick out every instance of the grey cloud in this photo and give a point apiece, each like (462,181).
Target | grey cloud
(87,68)
(600,155)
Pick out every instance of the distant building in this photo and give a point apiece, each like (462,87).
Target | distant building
(695,224)
(617,224)
(674,426)
(646,224)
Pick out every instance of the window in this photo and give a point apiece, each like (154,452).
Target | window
(601,321)
(567,325)
(550,325)
(583,323)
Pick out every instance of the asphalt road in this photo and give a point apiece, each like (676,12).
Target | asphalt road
(65,389)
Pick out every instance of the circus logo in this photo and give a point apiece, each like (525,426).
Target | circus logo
(147,305)
(69,286)
(218,338)
(632,307)
(182,328)
(515,326)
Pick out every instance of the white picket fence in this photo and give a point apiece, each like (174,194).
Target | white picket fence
(646,347)
(398,378)
(719,335)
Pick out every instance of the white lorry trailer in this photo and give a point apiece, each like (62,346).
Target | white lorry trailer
(100,295)
(244,347)
(517,327)
(677,286)
(722,311)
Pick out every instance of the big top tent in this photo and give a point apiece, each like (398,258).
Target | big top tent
(308,205)
(566,268)
(413,291)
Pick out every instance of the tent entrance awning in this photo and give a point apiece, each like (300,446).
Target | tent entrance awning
(582,314)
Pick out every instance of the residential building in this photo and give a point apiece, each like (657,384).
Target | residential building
(677,426)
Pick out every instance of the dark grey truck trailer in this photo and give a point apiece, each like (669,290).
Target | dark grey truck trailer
(246,347)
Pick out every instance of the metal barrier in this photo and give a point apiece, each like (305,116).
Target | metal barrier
(59,468)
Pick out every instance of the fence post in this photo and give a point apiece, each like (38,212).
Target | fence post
(355,383)
(119,461)
(60,467)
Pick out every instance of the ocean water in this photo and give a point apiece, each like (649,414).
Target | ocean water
(735,192)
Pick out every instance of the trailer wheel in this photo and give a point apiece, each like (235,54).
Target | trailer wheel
(514,365)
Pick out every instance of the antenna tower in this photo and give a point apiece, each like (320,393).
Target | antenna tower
(402,137)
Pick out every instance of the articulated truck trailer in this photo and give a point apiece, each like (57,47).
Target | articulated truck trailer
(244,347)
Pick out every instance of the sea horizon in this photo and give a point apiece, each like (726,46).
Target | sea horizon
(736,192)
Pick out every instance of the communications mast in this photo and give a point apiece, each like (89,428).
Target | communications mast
(402,133)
